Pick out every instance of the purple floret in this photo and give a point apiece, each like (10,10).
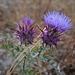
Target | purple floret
(58,20)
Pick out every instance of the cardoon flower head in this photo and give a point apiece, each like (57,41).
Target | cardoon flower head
(25,32)
(58,20)
(56,24)
(50,36)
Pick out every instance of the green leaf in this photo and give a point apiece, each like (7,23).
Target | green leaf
(24,64)
(4,46)
(17,48)
(13,52)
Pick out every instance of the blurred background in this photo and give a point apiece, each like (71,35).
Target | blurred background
(13,10)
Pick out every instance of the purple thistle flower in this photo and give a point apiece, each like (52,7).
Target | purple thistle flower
(50,36)
(56,24)
(26,33)
(58,20)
